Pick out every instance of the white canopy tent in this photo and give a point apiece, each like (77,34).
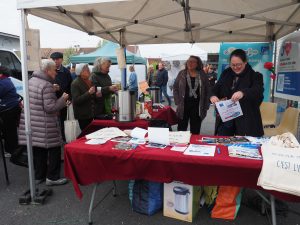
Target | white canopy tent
(157,21)
(173,21)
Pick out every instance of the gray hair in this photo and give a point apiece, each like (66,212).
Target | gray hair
(99,62)
(80,67)
(47,64)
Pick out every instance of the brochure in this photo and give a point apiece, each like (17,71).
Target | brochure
(229,109)
(125,146)
(200,150)
(244,152)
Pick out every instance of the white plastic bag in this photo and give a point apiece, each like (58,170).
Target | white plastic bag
(72,129)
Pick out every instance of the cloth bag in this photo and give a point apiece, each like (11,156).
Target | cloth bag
(72,129)
(227,203)
(281,169)
(147,197)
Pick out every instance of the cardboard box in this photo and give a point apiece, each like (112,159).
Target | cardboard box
(181,201)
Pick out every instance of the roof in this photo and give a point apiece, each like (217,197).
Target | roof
(9,35)
(46,52)
(109,51)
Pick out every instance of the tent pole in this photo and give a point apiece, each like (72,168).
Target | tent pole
(26,104)
(124,70)
(273,80)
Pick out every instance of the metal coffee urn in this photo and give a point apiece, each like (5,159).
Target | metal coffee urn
(154,93)
(125,105)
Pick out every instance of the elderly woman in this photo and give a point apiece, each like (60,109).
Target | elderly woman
(46,132)
(191,91)
(102,81)
(240,83)
(84,96)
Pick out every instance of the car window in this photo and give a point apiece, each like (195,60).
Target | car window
(6,60)
(16,62)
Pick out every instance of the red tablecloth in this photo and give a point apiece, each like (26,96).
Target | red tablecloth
(87,164)
(167,114)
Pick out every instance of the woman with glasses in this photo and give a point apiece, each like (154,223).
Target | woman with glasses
(191,91)
(240,83)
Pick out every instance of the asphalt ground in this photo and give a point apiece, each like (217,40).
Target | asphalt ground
(63,207)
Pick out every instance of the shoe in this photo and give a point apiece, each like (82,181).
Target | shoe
(60,181)
(7,155)
(37,182)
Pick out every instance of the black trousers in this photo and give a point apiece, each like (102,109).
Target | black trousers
(191,113)
(47,163)
(9,128)
(84,123)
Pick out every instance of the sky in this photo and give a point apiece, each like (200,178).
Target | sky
(53,35)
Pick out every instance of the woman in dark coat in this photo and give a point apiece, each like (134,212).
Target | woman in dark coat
(101,79)
(240,83)
(191,93)
(84,96)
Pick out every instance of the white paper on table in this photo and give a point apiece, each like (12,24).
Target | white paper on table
(139,133)
(200,150)
(158,135)
(229,109)
(106,133)
(180,137)
(95,142)
(179,148)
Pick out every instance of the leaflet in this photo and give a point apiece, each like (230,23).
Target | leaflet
(229,109)
(200,150)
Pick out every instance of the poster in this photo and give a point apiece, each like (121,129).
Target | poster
(33,49)
(257,53)
(288,68)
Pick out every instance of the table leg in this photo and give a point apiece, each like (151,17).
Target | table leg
(273,209)
(92,203)
(114,188)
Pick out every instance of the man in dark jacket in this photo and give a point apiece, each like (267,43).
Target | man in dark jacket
(162,81)
(62,85)
(9,111)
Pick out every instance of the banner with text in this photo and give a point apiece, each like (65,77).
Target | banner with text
(257,53)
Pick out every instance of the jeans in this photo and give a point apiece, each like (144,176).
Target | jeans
(163,90)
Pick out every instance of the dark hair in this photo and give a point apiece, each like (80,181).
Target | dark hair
(5,71)
(199,62)
(239,53)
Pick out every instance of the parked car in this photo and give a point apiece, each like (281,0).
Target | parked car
(10,60)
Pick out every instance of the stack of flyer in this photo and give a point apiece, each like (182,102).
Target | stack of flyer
(244,151)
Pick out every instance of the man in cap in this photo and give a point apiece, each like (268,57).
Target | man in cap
(62,82)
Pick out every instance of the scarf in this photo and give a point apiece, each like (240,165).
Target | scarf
(192,91)
(88,82)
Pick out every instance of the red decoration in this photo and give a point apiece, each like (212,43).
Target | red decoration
(270,66)
(273,76)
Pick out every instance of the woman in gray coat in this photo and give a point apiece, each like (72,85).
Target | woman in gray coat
(46,134)
(191,91)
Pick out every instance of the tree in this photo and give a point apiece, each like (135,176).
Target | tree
(101,43)
(67,54)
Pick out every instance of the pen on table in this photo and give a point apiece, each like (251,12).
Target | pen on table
(218,150)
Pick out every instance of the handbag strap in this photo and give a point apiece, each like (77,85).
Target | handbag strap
(68,112)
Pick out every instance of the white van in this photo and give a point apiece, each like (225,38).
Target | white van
(10,60)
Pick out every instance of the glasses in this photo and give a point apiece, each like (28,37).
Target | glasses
(236,65)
